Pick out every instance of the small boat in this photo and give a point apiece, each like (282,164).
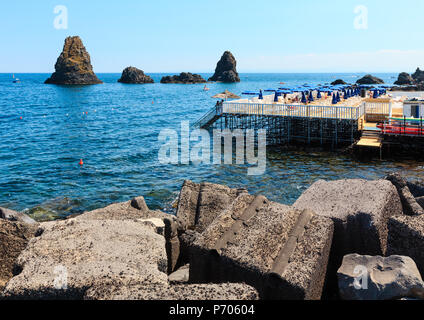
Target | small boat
(205,88)
(16,80)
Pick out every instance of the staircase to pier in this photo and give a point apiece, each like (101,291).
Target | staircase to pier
(209,118)
(371,138)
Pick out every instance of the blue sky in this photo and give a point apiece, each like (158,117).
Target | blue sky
(191,35)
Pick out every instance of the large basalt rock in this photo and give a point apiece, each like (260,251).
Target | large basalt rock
(12,215)
(132,75)
(14,237)
(369,79)
(406,237)
(360,210)
(226,69)
(418,75)
(404,78)
(183,78)
(410,205)
(71,256)
(73,65)
(226,291)
(281,252)
(338,82)
(379,278)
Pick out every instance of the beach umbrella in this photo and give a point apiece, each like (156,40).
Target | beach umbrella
(311,97)
(338,97)
(303,97)
(319,95)
(375,95)
(334,99)
(226,95)
(276,95)
(261,96)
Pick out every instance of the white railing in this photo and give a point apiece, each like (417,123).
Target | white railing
(285,110)
(377,108)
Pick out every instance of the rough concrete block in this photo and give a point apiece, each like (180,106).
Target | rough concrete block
(406,237)
(360,210)
(281,252)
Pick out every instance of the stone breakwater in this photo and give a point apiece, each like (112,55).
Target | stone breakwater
(225,243)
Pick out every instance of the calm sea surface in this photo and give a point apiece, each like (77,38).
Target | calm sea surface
(114,128)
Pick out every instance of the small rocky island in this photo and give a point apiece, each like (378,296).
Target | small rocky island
(338,82)
(404,78)
(414,82)
(226,69)
(73,65)
(184,78)
(369,79)
(132,75)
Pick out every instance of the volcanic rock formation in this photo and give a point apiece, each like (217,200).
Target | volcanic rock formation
(369,79)
(73,65)
(404,78)
(184,77)
(133,75)
(226,69)
(337,82)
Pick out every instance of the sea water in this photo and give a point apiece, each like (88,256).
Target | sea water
(46,129)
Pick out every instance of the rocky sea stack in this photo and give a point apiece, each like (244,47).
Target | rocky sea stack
(338,82)
(418,75)
(226,70)
(369,79)
(132,75)
(184,77)
(73,65)
(404,78)
(414,82)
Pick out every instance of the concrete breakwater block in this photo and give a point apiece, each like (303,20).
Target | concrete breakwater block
(225,291)
(14,237)
(360,210)
(281,252)
(409,203)
(199,204)
(71,256)
(379,278)
(137,209)
(406,237)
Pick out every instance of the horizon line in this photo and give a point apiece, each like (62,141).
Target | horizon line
(240,72)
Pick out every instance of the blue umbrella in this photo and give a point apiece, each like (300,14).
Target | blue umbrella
(311,97)
(261,96)
(375,95)
(319,95)
(276,95)
(338,97)
(334,99)
(303,98)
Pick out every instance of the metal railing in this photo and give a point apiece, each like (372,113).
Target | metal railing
(208,117)
(405,127)
(284,110)
(377,108)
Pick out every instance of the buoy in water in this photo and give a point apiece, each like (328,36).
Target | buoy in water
(20,118)
(81,162)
